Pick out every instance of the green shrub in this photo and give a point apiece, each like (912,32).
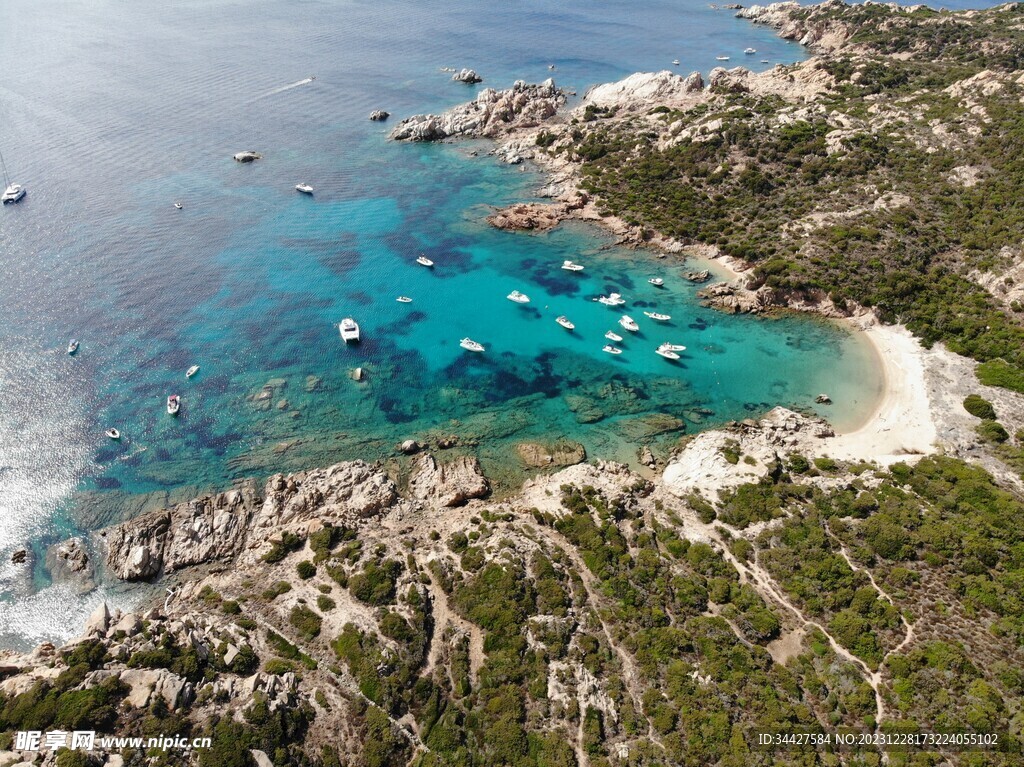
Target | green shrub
(992,431)
(325,603)
(280,549)
(305,569)
(306,621)
(375,585)
(979,407)
(1000,373)
(279,588)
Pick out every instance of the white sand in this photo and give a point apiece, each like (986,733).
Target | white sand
(903,423)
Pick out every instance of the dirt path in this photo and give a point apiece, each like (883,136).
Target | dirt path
(444,616)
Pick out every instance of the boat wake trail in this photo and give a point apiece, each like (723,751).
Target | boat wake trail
(284,88)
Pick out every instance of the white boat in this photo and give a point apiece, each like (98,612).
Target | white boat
(173,404)
(611,335)
(629,324)
(12,192)
(191,371)
(113,433)
(675,347)
(72,346)
(612,300)
(178,205)
(666,352)
(424,261)
(611,349)
(750,51)
(765,61)
(304,188)
(721,58)
(517,297)
(349,330)
(470,345)
(675,62)
(564,322)
(656,281)
(404,300)
(658,317)
(569,266)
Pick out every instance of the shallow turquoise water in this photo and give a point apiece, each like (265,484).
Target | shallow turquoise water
(117,111)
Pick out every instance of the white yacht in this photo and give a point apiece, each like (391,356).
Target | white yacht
(424,261)
(613,299)
(564,322)
(569,266)
(517,297)
(304,188)
(191,371)
(349,330)
(611,335)
(113,434)
(12,192)
(611,349)
(721,58)
(765,61)
(470,345)
(750,51)
(666,352)
(173,404)
(404,300)
(178,205)
(629,324)
(72,346)
(658,317)
(675,62)
(656,281)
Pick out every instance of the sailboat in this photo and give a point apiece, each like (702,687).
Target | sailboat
(12,192)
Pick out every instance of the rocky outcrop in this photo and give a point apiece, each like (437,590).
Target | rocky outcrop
(379,115)
(467,76)
(738,300)
(535,216)
(248,156)
(562,453)
(643,91)
(200,531)
(448,484)
(492,114)
(68,562)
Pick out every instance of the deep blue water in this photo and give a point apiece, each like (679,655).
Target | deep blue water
(115,110)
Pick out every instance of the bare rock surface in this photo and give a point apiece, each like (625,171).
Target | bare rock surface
(561,453)
(448,484)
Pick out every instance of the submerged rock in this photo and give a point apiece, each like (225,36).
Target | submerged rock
(68,562)
(562,453)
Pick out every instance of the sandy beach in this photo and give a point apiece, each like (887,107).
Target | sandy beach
(903,422)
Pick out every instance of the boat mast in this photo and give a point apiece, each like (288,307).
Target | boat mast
(7,181)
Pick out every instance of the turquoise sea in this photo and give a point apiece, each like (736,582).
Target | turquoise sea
(113,111)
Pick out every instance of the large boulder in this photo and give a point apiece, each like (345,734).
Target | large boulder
(467,76)
(448,484)
(561,453)
(69,563)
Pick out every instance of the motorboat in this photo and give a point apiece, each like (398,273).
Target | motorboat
(765,61)
(173,404)
(675,62)
(304,188)
(569,266)
(113,434)
(178,205)
(611,335)
(629,324)
(470,345)
(191,371)
(72,346)
(517,297)
(564,322)
(349,330)
(750,51)
(12,192)
(656,281)
(658,317)
(613,299)
(424,261)
(721,58)
(675,347)
(404,300)
(666,352)
(611,349)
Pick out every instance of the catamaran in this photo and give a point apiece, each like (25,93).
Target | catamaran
(12,192)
